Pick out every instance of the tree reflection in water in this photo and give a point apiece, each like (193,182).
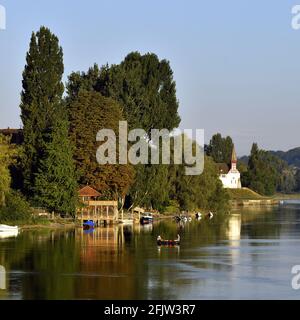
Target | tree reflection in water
(124,262)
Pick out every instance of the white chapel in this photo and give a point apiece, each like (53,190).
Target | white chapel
(231,178)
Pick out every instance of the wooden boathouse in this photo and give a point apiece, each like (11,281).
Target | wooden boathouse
(100,211)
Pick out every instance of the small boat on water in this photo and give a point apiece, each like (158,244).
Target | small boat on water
(210,215)
(88,224)
(8,231)
(171,243)
(126,221)
(4,228)
(146,218)
(183,218)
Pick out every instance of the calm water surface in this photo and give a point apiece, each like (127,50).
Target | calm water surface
(247,255)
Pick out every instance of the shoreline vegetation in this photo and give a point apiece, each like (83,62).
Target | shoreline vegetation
(238,198)
(55,153)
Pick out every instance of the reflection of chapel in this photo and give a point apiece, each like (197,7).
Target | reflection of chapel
(231,178)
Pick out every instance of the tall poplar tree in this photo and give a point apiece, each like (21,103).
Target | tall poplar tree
(44,121)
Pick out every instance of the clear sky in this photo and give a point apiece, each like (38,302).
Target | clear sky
(236,62)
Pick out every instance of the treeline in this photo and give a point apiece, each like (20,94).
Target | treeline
(267,174)
(13,206)
(60,124)
(292,157)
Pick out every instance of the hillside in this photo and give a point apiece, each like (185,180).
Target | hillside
(244,194)
(292,157)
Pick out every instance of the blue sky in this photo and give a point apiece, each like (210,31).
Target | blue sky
(236,62)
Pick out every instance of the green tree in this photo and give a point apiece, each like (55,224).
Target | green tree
(297,180)
(44,120)
(287,183)
(7,154)
(220,149)
(262,176)
(55,182)
(142,84)
(144,87)
(40,99)
(89,113)
(199,192)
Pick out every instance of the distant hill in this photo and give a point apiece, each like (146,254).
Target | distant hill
(292,157)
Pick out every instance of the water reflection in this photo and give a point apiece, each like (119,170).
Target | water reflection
(9,234)
(2,278)
(247,254)
(234,227)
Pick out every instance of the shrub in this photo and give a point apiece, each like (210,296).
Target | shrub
(16,209)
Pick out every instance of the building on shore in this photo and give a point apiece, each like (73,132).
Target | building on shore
(230,177)
(101,212)
(15,134)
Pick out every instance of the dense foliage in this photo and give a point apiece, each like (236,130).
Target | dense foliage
(90,112)
(7,153)
(60,147)
(16,209)
(146,92)
(220,149)
(44,124)
(267,173)
(55,182)
(142,84)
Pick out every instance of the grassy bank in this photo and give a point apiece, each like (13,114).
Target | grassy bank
(245,194)
(42,223)
(248,194)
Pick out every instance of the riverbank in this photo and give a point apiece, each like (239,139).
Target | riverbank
(58,223)
(50,225)
(246,197)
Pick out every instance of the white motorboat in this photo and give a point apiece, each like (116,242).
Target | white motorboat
(126,221)
(4,228)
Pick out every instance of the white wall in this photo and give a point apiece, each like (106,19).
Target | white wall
(232,180)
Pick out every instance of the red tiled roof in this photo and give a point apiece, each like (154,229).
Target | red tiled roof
(88,192)
(10,131)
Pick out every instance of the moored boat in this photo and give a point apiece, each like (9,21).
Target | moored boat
(89,224)
(126,221)
(4,228)
(146,218)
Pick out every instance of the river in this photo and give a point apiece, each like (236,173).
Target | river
(246,255)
